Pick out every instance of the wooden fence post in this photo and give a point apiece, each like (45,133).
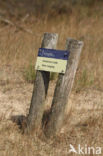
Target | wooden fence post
(63,89)
(41,83)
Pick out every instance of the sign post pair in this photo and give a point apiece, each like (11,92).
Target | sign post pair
(51,60)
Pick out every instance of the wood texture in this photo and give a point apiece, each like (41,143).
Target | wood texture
(41,83)
(63,89)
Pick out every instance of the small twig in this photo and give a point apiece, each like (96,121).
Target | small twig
(24,29)
(6,21)
(25,18)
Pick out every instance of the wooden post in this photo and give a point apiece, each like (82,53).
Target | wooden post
(41,83)
(63,89)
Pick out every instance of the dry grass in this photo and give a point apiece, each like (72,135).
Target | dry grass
(18,52)
(20,48)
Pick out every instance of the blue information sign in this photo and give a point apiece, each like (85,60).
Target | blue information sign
(52,53)
(52,60)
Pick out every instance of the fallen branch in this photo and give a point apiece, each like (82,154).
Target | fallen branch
(6,21)
(16,25)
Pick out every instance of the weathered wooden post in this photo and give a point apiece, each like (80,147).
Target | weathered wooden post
(41,83)
(63,89)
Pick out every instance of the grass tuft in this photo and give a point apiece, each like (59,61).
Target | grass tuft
(84,80)
(53,76)
(29,74)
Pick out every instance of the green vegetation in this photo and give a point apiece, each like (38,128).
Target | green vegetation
(53,76)
(84,80)
(29,74)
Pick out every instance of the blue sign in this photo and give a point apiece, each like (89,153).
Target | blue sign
(52,53)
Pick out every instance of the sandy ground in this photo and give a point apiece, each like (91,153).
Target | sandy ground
(15,95)
(83,111)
